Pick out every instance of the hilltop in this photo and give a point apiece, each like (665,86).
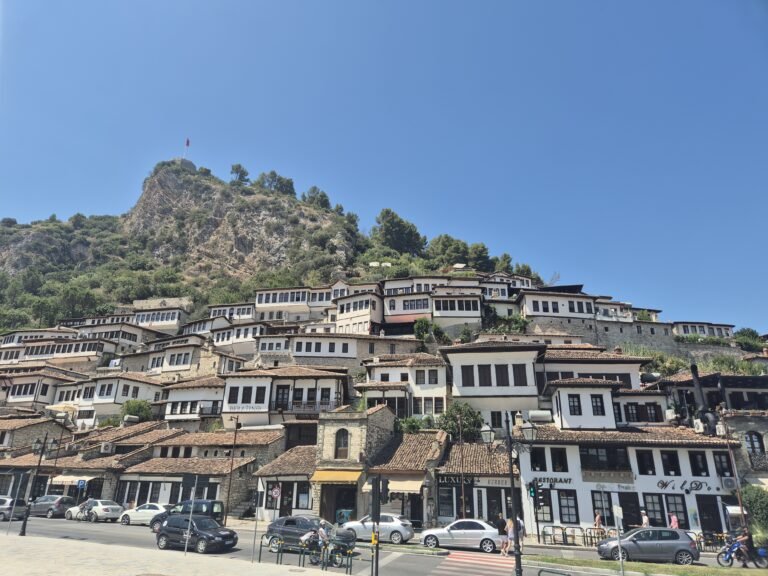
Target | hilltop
(191,233)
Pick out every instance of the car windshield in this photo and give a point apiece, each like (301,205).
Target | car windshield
(206,524)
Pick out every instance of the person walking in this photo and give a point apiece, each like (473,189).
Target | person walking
(673,521)
(598,519)
(501,526)
(510,536)
(521,532)
(646,522)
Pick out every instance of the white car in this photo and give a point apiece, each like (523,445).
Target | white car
(466,533)
(143,514)
(95,510)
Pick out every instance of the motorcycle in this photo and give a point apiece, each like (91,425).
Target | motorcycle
(335,551)
(733,550)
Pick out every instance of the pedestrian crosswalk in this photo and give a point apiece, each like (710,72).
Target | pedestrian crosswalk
(469,563)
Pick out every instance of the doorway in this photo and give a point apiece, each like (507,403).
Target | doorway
(709,513)
(630,508)
(282,397)
(286,499)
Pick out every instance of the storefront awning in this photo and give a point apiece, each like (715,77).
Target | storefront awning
(410,484)
(64,480)
(336,476)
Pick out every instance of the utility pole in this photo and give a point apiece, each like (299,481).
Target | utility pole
(461,465)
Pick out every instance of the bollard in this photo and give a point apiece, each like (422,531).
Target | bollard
(261,545)
(302,549)
(349,562)
(279,558)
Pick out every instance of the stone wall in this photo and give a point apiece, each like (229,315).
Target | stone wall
(380,428)
(742,421)
(26,436)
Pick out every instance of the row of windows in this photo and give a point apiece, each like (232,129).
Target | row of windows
(11,355)
(415,304)
(65,348)
(411,289)
(180,359)
(320,297)
(116,335)
(270,346)
(127,390)
(348,307)
(306,347)
(574,307)
(247,397)
(428,405)
(281,297)
(710,330)
(149,317)
(28,390)
(501,371)
(184,407)
(461,305)
(241,311)
(494,292)
(108,320)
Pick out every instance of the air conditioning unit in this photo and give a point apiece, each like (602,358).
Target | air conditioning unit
(728,483)
(107,448)
(72,447)
(698,426)
(720,429)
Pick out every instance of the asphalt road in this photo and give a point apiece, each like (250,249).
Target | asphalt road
(457,563)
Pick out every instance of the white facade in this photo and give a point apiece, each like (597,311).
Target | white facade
(704,329)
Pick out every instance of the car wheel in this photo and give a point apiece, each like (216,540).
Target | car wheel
(396,537)
(274,544)
(125,520)
(615,554)
(162,542)
(202,546)
(93,517)
(156,526)
(354,534)
(2,517)
(431,541)
(487,545)
(725,560)
(49,514)
(683,557)
(68,515)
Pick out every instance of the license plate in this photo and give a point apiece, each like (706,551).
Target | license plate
(229,541)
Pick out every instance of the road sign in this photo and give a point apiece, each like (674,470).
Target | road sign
(81,484)
(275,492)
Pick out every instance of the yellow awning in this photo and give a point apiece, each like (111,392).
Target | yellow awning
(410,484)
(336,476)
(65,480)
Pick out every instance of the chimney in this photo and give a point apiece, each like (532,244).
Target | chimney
(618,350)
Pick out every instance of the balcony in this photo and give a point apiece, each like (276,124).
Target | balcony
(619,476)
(303,407)
(209,411)
(759,462)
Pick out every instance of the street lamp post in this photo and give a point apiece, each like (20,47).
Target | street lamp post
(513,448)
(37,447)
(461,465)
(236,420)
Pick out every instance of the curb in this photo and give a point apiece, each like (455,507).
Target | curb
(591,569)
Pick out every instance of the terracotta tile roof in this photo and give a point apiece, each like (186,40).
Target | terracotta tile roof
(377,408)
(554,355)
(685,376)
(47,374)
(627,436)
(207,466)
(113,434)
(584,383)
(583,346)
(287,372)
(634,391)
(16,423)
(204,382)
(151,437)
(74,462)
(405,360)
(225,438)
(493,346)
(410,452)
(298,461)
(376,385)
(133,376)
(478,460)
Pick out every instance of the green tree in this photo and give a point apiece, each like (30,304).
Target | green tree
(272,182)
(756,502)
(398,234)
(748,339)
(644,316)
(478,257)
(140,408)
(445,250)
(410,425)
(466,335)
(316,197)
(78,221)
(239,175)
(502,263)
(471,422)
(203,171)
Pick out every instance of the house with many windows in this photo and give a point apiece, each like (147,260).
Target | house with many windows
(704,329)
(193,404)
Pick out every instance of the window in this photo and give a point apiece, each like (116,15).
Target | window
(247,393)
(135,392)
(580,307)
(598,408)
(331,347)
(126,389)
(519,375)
(544,512)
(403,377)
(645,464)
(655,509)
(502,375)
(484,374)
(559,459)
(571,306)
(417,405)
(698,463)
(299,346)
(384,377)
(345,348)
(420,377)
(670,463)
(439,406)
(722,464)
(234,392)
(676,506)
(433,376)
(342,445)
(754,443)
(545,306)
(574,404)
(467,375)
(535,305)
(318,346)
(539,459)
(604,458)
(555,307)
(603,502)
(569,507)
(495,419)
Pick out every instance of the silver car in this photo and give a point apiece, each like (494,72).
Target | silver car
(396,529)
(653,544)
(6,505)
(467,533)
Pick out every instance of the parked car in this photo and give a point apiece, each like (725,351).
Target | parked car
(51,506)
(204,534)
(7,505)
(654,544)
(290,528)
(212,508)
(95,511)
(466,533)
(143,514)
(397,529)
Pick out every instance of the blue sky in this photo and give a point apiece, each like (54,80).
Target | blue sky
(619,144)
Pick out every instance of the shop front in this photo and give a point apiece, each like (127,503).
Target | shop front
(338,494)
(485,497)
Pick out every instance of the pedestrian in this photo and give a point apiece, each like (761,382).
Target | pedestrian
(673,521)
(510,536)
(646,521)
(521,532)
(598,519)
(501,526)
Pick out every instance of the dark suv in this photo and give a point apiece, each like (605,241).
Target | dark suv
(205,534)
(290,528)
(211,508)
(51,506)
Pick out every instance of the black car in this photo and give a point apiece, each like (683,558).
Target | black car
(211,508)
(204,534)
(290,528)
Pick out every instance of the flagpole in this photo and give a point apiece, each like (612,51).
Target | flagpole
(186,148)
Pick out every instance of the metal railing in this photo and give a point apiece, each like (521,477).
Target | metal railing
(321,406)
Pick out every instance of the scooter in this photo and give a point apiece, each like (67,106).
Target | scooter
(733,550)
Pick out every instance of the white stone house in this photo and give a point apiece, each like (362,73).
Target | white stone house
(193,404)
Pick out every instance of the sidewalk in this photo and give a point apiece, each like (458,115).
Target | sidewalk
(39,556)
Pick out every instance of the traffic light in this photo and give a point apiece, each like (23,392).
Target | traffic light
(384,491)
(541,497)
(531,490)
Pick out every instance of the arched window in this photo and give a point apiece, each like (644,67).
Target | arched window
(754,443)
(342,445)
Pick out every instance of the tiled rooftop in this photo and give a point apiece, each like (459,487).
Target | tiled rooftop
(298,461)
